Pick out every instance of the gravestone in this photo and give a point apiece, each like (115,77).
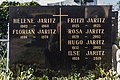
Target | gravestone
(59,37)
(114,26)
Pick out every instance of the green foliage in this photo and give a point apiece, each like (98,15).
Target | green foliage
(3,47)
(28,74)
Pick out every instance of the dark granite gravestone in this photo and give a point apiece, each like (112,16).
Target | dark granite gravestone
(59,37)
(114,26)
